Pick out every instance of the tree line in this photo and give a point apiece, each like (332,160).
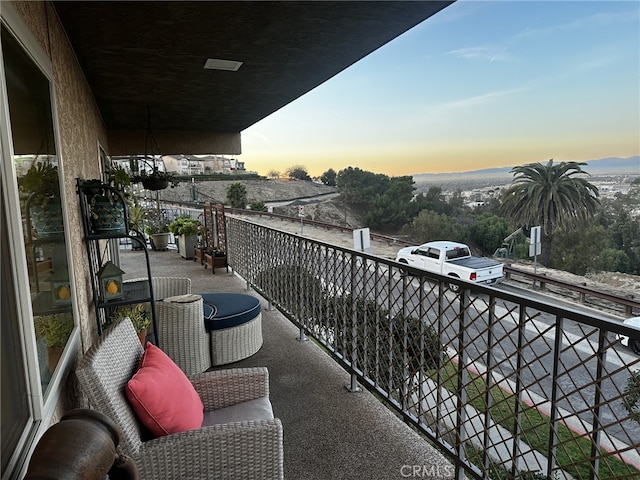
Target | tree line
(581,232)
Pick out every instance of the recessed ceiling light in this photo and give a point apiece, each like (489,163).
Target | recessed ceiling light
(217,64)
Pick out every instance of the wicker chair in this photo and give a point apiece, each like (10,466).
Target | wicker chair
(183,335)
(164,287)
(246,449)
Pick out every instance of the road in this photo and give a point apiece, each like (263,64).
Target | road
(302,201)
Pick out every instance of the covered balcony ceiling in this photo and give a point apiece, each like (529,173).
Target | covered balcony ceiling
(142,56)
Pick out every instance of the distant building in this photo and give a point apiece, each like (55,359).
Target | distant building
(183,164)
(202,164)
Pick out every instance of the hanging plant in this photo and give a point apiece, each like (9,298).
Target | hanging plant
(155,183)
(153,179)
(42,179)
(156,179)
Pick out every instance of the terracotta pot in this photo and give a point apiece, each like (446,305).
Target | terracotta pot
(143,337)
(53,357)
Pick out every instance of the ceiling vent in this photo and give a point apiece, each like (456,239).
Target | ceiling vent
(217,64)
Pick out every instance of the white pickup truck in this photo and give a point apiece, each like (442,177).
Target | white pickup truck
(453,259)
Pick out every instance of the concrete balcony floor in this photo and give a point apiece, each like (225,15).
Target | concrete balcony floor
(329,432)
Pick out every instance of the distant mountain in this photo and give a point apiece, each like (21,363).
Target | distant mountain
(602,166)
(614,165)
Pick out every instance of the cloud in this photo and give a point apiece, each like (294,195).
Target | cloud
(596,19)
(477,100)
(598,61)
(492,54)
(260,136)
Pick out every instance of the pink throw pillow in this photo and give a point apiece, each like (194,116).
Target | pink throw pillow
(162,396)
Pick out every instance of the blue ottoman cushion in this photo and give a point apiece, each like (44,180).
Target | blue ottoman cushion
(224,310)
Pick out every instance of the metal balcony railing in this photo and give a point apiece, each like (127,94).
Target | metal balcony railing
(508,387)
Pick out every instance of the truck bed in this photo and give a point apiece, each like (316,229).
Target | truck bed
(475,263)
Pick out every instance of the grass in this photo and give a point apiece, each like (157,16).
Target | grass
(573,451)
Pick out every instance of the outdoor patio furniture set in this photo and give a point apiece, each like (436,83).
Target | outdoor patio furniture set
(177,419)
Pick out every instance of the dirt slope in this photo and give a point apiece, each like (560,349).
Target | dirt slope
(257,190)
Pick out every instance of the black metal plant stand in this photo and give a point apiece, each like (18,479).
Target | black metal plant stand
(133,292)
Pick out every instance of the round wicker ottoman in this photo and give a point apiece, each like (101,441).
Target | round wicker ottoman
(234,323)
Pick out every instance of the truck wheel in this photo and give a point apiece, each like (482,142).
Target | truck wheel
(404,273)
(455,288)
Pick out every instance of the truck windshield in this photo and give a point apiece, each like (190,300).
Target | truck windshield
(457,253)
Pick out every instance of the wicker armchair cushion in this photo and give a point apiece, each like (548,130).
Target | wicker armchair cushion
(256,409)
(225,310)
(162,396)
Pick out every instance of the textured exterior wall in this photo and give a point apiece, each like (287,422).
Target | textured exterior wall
(80,131)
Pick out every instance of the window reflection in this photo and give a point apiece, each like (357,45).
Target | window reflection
(37,170)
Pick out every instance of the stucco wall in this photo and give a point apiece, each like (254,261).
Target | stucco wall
(80,131)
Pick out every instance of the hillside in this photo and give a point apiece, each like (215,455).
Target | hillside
(257,190)
(320,202)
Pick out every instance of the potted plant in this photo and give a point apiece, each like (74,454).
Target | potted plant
(185,229)
(157,227)
(55,329)
(137,218)
(107,200)
(41,186)
(155,179)
(216,258)
(140,318)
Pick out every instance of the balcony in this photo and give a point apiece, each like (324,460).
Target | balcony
(399,364)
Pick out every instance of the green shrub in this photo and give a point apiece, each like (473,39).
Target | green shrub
(55,328)
(184,225)
(140,317)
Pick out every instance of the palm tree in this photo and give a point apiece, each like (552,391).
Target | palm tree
(237,195)
(551,196)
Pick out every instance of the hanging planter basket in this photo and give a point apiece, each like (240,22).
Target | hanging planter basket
(156,179)
(151,183)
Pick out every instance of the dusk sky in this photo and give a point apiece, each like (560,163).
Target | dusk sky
(480,84)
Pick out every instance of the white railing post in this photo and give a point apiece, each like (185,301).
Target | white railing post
(302,337)
(353,386)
